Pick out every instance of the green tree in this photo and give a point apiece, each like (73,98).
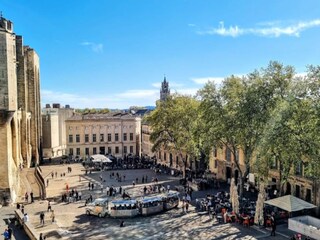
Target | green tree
(236,113)
(174,125)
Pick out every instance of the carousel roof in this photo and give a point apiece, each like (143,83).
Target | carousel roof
(290,203)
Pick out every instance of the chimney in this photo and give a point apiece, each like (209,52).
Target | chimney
(56,105)
(48,105)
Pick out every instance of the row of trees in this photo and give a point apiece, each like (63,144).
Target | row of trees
(92,110)
(271,114)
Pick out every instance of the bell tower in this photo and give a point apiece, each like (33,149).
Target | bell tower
(165,91)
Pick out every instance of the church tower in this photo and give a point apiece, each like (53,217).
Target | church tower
(165,91)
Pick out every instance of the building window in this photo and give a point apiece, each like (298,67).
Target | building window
(125,149)
(299,168)
(131,136)
(87,151)
(228,154)
(70,138)
(109,150)
(94,137)
(70,151)
(109,137)
(125,137)
(216,163)
(165,156)
(86,138)
(274,163)
(102,137)
(102,150)
(215,152)
(116,137)
(77,138)
(94,150)
(117,150)
(131,149)
(177,161)
(237,155)
(308,195)
(78,151)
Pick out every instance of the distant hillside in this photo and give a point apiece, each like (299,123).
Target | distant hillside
(150,107)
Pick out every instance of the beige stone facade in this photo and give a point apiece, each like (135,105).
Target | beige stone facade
(54,129)
(222,163)
(146,144)
(114,133)
(20,135)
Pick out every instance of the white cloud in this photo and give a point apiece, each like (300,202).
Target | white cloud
(301,74)
(138,94)
(96,47)
(156,85)
(191,25)
(270,29)
(117,100)
(204,80)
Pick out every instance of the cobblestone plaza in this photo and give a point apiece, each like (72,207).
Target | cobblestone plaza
(72,222)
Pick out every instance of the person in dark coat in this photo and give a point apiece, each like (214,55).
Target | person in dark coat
(273,226)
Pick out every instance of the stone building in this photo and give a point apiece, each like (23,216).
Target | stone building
(299,183)
(20,120)
(54,129)
(113,133)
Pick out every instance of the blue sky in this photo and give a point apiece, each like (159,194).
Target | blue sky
(115,53)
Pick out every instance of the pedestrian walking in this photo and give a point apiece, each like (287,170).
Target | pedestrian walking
(22,208)
(56,174)
(26,196)
(48,182)
(79,195)
(26,218)
(31,196)
(122,223)
(10,231)
(42,218)
(6,234)
(52,216)
(187,207)
(49,207)
(41,236)
(52,174)
(273,226)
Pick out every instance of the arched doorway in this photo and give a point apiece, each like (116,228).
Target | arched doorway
(171,160)
(13,140)
(236,176)
(288,188)
(228,173)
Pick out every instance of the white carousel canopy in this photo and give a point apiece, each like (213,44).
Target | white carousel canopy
(290,203)
(100,158)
